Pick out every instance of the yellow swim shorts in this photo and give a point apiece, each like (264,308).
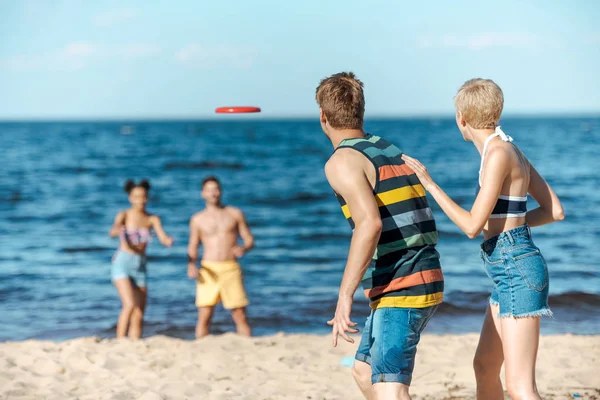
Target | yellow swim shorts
(220,281)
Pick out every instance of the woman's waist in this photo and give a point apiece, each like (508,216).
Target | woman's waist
(496,227)
(510,237)
(139,250)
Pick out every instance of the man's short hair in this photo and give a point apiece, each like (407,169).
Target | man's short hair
(480,102)
(342,100)
(211,178)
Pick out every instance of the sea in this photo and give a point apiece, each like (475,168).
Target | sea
(61,186)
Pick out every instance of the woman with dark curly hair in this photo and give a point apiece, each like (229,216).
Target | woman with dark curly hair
(133,226)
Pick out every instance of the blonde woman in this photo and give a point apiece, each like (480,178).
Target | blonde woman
(511,328)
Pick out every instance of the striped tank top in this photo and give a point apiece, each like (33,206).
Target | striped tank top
(405,270)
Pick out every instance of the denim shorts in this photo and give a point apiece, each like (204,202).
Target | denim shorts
(389,342)
(519,272)
(129,265)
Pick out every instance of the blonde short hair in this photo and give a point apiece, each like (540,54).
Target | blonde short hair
(480,102)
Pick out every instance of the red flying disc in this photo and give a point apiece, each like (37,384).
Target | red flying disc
(236,110)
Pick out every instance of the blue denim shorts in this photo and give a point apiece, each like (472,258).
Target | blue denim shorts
(389,342)
(129,265)
(519,272)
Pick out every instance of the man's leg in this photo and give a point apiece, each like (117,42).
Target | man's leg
(205,315)
(361,371)
(396,333)
(234,297)
(207,297)
(241,325)
(391,391)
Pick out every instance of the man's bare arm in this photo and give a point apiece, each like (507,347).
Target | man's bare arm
(193,244)
(346,176)
(244,231)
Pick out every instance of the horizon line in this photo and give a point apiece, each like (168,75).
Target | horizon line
(259,117)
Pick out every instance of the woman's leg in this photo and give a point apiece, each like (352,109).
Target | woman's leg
(137,316)
(520,339)
(489,358)
(126,294)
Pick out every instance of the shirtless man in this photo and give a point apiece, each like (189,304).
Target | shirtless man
(219,278)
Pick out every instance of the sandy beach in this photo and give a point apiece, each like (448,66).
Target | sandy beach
(271,367)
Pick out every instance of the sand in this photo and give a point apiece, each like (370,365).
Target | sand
(273,367)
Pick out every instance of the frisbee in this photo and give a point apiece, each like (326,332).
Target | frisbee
(237,110)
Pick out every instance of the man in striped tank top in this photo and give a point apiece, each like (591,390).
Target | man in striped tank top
(392,252)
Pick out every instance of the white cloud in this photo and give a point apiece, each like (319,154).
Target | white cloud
(79,49)
(78,55)
(116,16)
(74,56)
(480,41)
(203,56)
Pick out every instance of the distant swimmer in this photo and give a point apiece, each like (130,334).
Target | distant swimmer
(219,278)
(133,226)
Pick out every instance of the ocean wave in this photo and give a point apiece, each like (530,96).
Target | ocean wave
(324,236)
(72,170)
(575,299)
(468,302)
(191,166)
(90,249)
(298,198)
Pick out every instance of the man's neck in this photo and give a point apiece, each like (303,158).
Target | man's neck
(337,135)
(214,207)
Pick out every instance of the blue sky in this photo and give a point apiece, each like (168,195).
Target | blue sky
(181,59)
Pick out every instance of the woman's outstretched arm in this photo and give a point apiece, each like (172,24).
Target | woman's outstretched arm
(118,225)
(470,222)
(165,239)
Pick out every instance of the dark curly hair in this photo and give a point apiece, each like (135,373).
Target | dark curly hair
(130,185)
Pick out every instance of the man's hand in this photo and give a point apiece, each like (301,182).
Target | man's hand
(192,271)
(168,241)
(341,321)
(238,251)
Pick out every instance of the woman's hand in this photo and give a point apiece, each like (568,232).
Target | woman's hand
(420,171)
(168,242)
(156,224)
(118,225)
